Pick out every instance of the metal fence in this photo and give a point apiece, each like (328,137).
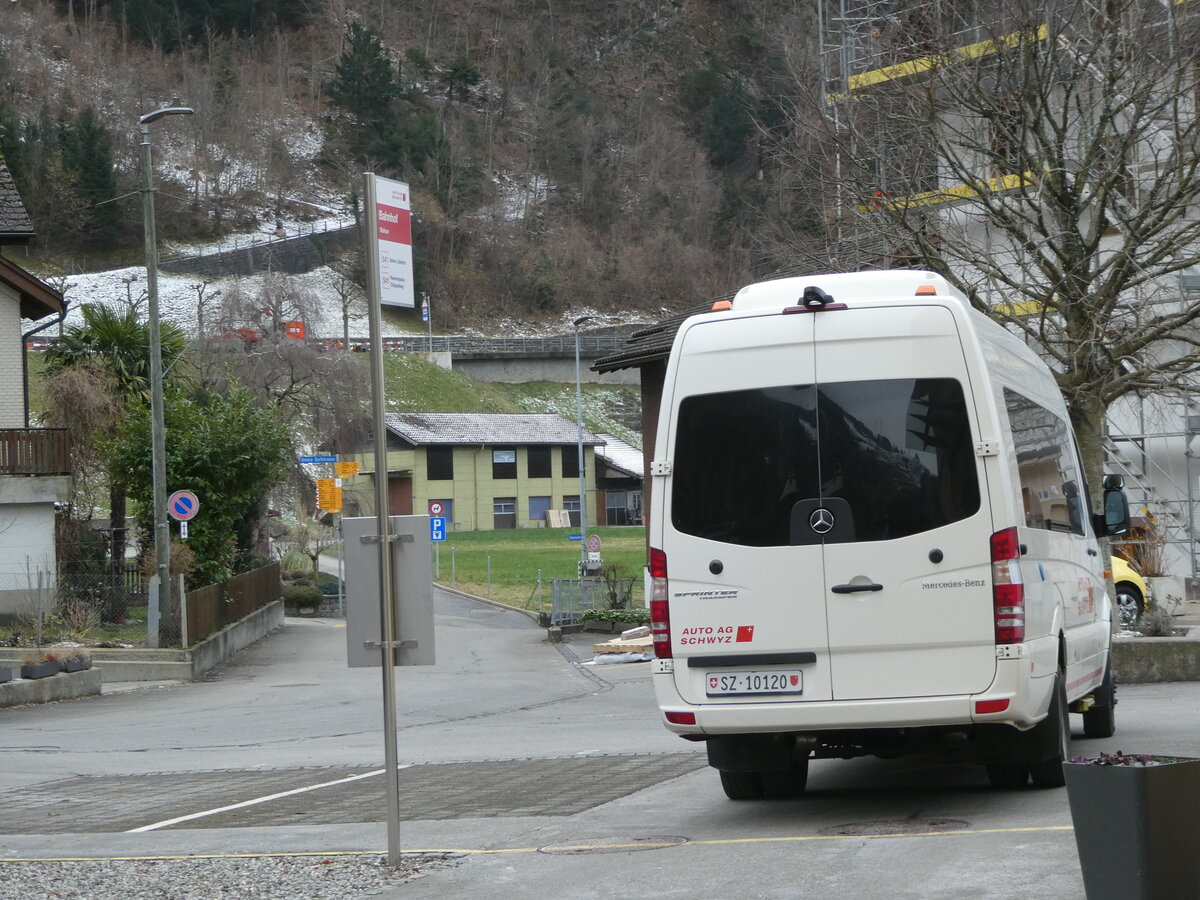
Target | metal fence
(41,607)
(40,603)
(572,597)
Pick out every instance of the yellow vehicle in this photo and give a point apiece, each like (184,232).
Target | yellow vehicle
(1132,592)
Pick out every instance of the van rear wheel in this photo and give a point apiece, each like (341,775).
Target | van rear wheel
(1055,730)
(786,783)
(742,785)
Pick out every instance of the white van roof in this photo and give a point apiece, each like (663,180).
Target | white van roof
(889,284)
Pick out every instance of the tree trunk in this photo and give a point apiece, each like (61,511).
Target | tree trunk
(1087,413)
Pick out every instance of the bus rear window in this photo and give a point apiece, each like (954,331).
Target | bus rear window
(898,452)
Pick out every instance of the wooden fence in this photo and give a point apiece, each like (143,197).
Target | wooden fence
(211,608)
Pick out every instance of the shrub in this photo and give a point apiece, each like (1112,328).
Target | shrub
(302,595)
(634,616)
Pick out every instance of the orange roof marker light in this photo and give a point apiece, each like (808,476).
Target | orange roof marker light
(926,290)
(722,305)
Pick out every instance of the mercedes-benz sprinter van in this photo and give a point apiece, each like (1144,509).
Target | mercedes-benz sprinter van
(871,534)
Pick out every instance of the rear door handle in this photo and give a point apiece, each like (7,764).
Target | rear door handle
(855,588)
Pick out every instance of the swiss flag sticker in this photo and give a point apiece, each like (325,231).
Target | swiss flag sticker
(745,634)
(712,683)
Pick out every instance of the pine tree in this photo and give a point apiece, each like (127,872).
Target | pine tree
(88,154)
(366,81)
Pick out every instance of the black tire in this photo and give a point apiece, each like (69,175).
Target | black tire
(1054,730)
(787,783)
(1101,720)
(1008,775)
(1130,604)
(742,785)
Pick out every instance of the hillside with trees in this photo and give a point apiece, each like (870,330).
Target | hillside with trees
(578,155)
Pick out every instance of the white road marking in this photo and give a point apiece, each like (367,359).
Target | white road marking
(257,800)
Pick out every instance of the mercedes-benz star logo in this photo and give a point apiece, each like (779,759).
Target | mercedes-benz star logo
(821,521)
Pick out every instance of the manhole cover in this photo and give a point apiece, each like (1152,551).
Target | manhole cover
(895,826)
(614,845)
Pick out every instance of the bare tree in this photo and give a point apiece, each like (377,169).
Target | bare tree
(1045,159)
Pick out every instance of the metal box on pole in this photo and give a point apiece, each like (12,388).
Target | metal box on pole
(412,590)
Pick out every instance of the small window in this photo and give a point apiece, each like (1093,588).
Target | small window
(504,463)
(539,462)
(570,462)
(571,505)
(439,462)
(538,507)
(616,508)
(504,512)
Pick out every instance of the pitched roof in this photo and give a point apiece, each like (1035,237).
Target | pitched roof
(37,298)
(486,428)
(624,457)
(15,225)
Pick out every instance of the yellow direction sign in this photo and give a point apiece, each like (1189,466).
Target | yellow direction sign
(345,468)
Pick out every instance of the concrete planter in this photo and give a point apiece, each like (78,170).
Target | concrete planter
(40,670)
(5,674)
(1134,828)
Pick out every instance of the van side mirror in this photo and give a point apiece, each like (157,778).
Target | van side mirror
(1116,508)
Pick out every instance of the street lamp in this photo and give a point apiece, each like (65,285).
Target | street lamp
(582,475)
(158,447)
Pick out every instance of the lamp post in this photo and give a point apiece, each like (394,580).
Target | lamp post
(158,450)
(582,474)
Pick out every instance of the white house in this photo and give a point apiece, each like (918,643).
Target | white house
(35,466)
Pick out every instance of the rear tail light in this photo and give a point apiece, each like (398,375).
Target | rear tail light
(660,614)
(1008,587)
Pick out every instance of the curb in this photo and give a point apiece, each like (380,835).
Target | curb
(63,686)
(495,603)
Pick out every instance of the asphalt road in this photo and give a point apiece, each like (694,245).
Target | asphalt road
(545,777)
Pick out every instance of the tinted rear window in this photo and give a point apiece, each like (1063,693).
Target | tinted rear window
(899,453)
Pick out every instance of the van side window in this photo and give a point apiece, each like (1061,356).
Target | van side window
(898,452)
(1046,465)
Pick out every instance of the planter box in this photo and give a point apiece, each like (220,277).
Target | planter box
(5,674)
(602,627)
(76,665)
(41,670)
(1135,829)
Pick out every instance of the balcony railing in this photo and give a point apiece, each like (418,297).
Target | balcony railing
(35,451)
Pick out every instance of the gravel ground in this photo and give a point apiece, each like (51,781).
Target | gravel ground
(320,877)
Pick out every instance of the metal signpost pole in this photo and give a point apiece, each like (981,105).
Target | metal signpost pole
(387,616)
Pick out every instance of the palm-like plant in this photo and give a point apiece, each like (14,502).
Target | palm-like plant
(96,373)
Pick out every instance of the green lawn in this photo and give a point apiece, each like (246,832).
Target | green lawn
(461,561)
